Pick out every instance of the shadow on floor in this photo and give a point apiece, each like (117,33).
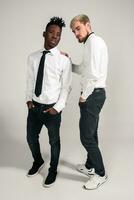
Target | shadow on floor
(15,154)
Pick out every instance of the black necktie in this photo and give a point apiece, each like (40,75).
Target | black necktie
(39,79)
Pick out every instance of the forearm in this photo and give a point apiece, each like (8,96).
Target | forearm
(77,68)
(88,88)
(29,90)
(65,87)
(61,103)
(29,80)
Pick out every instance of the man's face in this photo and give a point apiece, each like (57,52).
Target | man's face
(52,36)
(81,30)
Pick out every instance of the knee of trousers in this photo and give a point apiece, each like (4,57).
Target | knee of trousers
(53,142)
(88,142)
(32,138)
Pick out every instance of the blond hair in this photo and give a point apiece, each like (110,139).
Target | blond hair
(81,18)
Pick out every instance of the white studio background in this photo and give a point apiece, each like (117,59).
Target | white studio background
(21,27)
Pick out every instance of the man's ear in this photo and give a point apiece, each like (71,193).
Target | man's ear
(44,34)
(88,25)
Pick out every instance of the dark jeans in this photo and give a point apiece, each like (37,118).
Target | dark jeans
(36,119)
(89,119)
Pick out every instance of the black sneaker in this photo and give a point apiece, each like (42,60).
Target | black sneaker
(51,177)
(35,169)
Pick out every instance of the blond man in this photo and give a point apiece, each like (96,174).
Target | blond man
(93,71)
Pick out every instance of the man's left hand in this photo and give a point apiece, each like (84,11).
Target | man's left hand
(52,111)
(82,100)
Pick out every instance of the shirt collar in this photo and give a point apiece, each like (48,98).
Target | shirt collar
(53,51)
(88,37)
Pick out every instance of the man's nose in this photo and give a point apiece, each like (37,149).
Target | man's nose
(76,33)
(54,36)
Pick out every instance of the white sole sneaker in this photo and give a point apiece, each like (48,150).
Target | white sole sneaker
(36,172)
(50,179)
(95,181)
(88,172)
(48,186)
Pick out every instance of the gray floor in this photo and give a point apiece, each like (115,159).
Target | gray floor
(16,159)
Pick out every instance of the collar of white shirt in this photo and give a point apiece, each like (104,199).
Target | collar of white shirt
(53,51)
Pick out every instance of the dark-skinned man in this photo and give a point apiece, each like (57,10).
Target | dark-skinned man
(48,86)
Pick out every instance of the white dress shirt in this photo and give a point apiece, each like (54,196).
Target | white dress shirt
(93,68)
(56,79)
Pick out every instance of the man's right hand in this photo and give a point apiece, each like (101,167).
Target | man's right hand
(64,53)
(30,104)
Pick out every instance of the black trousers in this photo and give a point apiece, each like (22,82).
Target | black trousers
(36,119)
(89,118)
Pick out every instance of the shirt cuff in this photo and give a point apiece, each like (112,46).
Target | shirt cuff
(58,107)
